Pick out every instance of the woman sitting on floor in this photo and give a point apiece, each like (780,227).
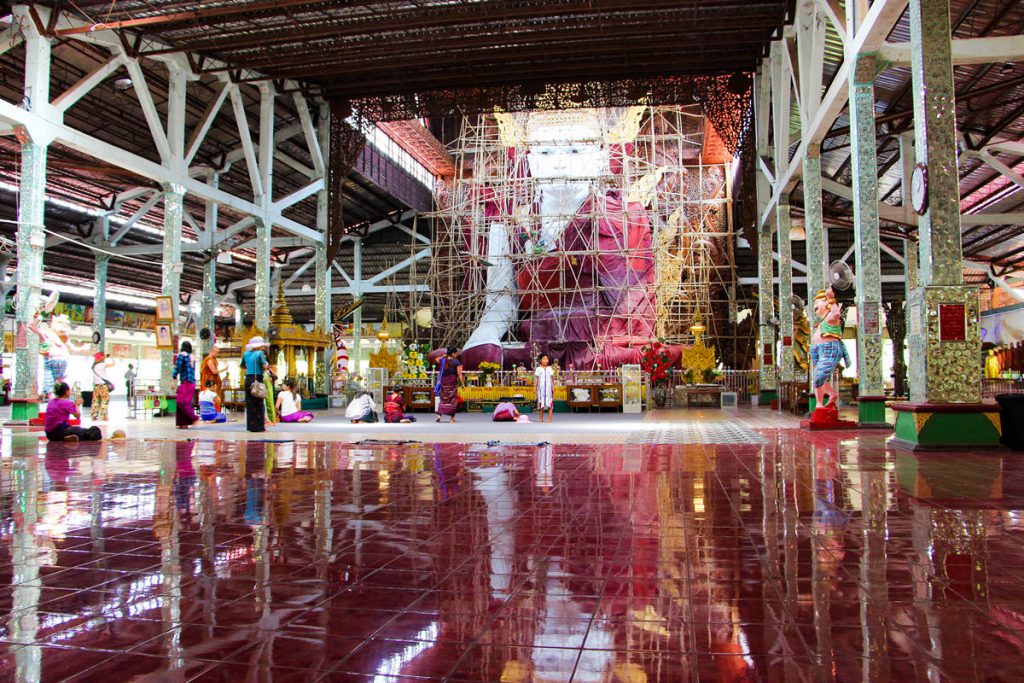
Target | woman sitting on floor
(361,408)
(59,410)
(505,411)
(209,404)
(289,405)
(394,407)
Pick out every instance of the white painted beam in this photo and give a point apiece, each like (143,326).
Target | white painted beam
(69,97)
(134,218)
(401,265)
(299,195)
(203,127)
(987,50)
(366,289)
(149,110)
(870,36)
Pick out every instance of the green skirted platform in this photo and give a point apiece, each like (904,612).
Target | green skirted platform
(23,410)
(766,397)
(871,412)
(947,426)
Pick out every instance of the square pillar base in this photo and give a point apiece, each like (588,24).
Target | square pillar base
(947,426)
(23,410)
(871,412)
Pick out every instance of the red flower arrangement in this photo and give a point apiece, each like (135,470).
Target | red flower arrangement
(655,362)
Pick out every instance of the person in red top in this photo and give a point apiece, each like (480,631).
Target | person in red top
(59,410)
(394,407)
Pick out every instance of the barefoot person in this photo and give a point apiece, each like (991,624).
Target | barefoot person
(58,413)
(545,382)
(289,404)
(210,405)
(185,373)
(394,407)
(361,408)
(448,382)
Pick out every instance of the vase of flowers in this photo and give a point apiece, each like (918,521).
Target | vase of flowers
(488,369)
(655,362)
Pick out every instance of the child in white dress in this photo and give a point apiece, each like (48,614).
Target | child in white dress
(545,382)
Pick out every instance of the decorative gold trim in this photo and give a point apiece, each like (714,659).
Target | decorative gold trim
(996,421)
(921,419)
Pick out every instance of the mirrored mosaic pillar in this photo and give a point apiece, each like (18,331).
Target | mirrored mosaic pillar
(208,300)
(208,305)
(99,298)
(174,211)
(868,286)
(943,314)
(355,353)
(783,224)
(323,304)
(814,223)
(31,243)
(766,307)
(263,293)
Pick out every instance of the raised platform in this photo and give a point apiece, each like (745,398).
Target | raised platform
(947,426)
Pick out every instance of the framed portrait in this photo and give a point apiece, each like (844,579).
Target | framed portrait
(164,337)
(164,309)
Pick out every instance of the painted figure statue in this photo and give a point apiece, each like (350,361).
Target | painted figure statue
(827,347)
(55,341)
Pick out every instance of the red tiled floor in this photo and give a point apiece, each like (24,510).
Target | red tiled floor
(809,557)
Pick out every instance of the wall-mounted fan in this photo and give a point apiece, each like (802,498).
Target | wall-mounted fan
(840,275)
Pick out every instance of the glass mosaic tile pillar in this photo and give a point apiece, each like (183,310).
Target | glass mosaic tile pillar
(766,306)
(31,243)
(868,287)
(945,408)
(783,225)
(174,210)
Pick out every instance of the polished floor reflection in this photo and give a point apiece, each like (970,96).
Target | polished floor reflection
(803,558)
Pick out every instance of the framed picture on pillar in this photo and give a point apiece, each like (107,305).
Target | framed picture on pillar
(164,309)
(164,337)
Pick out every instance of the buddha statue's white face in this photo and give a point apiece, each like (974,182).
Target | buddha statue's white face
(566,152)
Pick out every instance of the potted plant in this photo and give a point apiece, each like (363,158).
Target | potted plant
(690,376)
(710,375)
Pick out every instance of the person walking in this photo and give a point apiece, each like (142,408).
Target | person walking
(101,387)
(545,382)
(185,372)
(448,382)
(254,363)
(129,381)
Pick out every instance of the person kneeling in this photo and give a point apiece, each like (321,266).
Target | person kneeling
(394,407)
(361,408)
(58,410)
(289,405)
(209,404)
(505,412)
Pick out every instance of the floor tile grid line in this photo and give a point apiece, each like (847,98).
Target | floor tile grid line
(451,573)
(855,579)
(770,573)
(526,578)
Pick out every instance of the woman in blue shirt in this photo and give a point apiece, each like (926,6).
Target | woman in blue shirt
(254,362)
(185,372)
